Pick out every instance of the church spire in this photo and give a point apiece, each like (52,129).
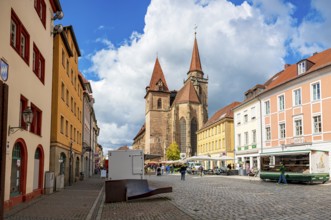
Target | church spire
(195,61)
(158,82)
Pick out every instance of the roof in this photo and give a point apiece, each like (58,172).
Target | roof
(157,75)
(141,131)
(195,61)
(71,29)
(124,148)
(225,112)
(319,60)
(187,94)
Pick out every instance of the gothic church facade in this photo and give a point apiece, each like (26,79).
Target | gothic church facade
(174,116)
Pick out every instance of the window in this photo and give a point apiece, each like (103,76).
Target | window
(316,91)
(159,103)
(67,97)
(66,128)
(281,103)
(246,138)
(19,37)
(40,7)
(63,58)
(253,113)
(38,64)
(72,104)
(35,126)
(72,77)
(317,124)
(268,133)
(302,67)
(246,118)
(282,132)
(253,136)
(239,139)
(267,107)
(62,91)
(238,119)
(67,67)
(297,97)
(298,127)
(23,106)
(62,125)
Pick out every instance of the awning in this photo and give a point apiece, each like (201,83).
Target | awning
(151,156)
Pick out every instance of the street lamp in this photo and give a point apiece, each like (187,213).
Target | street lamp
(27,118)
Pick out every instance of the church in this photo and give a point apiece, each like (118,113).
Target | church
(174,116)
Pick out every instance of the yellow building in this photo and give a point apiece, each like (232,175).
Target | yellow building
(67,107)
(216,137)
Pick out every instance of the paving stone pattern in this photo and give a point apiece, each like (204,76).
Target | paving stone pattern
(207,197)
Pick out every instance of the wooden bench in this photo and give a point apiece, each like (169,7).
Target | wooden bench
(128,189)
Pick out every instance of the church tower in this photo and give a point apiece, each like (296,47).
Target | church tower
(196,76)
(157,100)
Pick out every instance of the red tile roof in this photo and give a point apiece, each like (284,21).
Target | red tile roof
(195,61)
(225,112)
(320,60)
(141,131)
(156,77)
(187,94)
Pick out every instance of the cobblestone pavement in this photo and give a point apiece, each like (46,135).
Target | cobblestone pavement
(79,201)
(207,197)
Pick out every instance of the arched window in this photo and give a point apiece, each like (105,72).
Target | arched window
(16,181)
(182,128)
(62,163)
(77,167)
(159,103)
(194,128)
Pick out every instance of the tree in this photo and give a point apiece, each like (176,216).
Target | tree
(173,152)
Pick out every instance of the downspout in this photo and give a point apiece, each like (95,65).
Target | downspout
(89,155)
(261,124)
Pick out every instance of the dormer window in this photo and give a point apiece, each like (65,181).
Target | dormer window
(302,67)
(160,85)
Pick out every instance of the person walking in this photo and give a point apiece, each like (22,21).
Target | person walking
(282,177)
(201,170)
(182,172)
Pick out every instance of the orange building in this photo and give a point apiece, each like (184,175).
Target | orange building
(296,106)
(67,108)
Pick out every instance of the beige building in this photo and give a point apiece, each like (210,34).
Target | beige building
(67,108)
(216,137)
(174,116)
(26,51)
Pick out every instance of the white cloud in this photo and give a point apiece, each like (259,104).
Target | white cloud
(240,46)
(313,35)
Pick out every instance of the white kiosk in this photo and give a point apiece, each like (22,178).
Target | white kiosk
(125,164)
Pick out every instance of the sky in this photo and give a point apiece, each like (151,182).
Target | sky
(241,44)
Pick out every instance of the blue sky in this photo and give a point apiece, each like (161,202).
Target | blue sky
(241,43)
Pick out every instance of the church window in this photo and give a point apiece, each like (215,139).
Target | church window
(160,85)
(159,103)
(182,126)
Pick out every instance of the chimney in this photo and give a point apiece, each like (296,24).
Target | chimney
(286,65)
(315,53)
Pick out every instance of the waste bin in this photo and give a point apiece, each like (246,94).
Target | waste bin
(242,172)
(81,176)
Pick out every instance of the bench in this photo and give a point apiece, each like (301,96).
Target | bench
(128,189)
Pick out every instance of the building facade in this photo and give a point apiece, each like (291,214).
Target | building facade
(215,138)
(67,107)
(174,116)
(26,51)
(247,129)
(296,106)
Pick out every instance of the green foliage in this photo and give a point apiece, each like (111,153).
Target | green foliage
(173,152)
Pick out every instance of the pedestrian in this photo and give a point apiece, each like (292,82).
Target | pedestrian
(282,177)
(182,172)
(201,170)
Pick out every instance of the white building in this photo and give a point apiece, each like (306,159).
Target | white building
(247,130)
